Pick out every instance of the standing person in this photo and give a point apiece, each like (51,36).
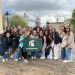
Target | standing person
(47,26)
(14,41)
(34,36)
(63,45)
(48,44)
(57,40)
(62,30)
(70,44)
(41,35)
(5,45)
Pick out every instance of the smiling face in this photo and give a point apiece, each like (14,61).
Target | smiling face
(34,33)
(27,32)
(67,28)
(20,31)
(41,33)
(7,35)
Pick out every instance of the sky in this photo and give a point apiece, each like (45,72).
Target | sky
(47,10)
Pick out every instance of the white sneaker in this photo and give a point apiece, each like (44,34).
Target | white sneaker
(6,59)
(11,56)
(32,57)
(26,61)
(3,60)
(70,60)
(42,57)
(65,61)
(56,58)
(15,59)
(19,58)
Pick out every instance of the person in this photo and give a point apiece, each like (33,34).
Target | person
(34,36)
(63,45)
(14,41)
(24,52)
(37,28)
(48,43)
(70,44)
(17,53)
(47,26)
(4,47)
(62,30)
(57,40)
(41,35)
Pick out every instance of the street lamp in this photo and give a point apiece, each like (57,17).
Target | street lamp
(7,15)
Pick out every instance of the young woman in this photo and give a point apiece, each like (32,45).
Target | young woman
(62,30)
(41,35)
(17,53)
(48,43)
(70,44)
(34,36)
(63,45)
(24,52)
(14,41)
(57,40)
(5,45)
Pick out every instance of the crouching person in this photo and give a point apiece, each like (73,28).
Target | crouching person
(19,53)
(5,45)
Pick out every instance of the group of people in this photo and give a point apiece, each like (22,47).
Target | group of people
(55,45)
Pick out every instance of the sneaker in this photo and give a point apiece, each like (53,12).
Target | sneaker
(11,56)
(19,58)
(3,60)
(56,58)
(70,60)
(26,61)
(65,61)
(42,57)
(34,57)
(15,59)
(6,59)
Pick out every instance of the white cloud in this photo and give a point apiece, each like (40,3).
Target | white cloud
(50,8)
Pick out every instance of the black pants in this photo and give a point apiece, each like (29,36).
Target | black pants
(24,54)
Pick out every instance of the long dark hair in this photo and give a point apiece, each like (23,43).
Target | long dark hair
(69,29)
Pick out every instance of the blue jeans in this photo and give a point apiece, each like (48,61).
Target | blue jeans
(68,53)
(34,53)
(63,53)
(17,54)
(5,55)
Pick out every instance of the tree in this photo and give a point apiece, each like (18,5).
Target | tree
(73,18)
(18,20)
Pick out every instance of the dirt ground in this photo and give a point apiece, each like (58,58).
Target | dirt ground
(38,67)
